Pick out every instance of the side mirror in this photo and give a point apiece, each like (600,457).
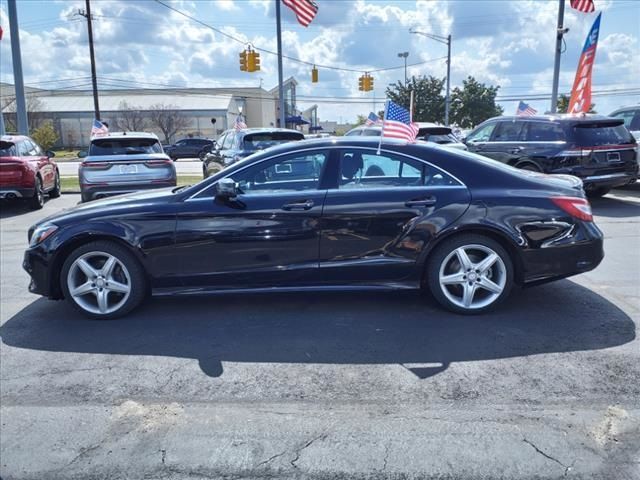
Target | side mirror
(50,153)
(226,188)
(82,153)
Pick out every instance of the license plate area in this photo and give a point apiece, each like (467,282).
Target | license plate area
(613,157)
(128,169)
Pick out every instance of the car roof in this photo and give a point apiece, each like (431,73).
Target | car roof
(557,117)
(629,108)
(127,135)
(268,130)
(13,138)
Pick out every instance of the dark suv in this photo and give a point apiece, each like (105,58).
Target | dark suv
(599,150)
(188,148)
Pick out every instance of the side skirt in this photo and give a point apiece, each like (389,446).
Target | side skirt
(182,291)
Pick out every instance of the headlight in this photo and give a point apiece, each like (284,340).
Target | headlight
(41,233)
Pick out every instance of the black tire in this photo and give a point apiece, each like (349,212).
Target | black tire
(85,198)
(138,282)
(57,190)
(37,201)
(598,192)
(530,167)
(443,254)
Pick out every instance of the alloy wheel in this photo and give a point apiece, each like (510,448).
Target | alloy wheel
(99,283)
(472,276)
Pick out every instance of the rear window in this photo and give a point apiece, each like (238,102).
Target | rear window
(260,141)
(441,139)
(592,135)
(124,146)
(8,149)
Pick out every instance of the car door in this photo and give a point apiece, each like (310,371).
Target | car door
(382,214)
(266,236)
(478,141)
(507,141)
(44,166)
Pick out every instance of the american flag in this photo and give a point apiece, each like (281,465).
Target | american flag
(372,119)
(240,125)
(585,6)
(305,10)
(525,110)
(397,123)
(99,129)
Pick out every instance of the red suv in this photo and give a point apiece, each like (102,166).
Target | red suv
(26,171)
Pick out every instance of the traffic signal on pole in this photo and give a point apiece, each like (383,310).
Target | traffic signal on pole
(370,84)
(256,61)
(314,75)
(253,61)
(243,61)
(361,83)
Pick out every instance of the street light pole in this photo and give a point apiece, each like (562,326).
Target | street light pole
(404,55)
(92,57)
(447,41)
(556,64)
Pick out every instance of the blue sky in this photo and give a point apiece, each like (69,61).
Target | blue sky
(506,43)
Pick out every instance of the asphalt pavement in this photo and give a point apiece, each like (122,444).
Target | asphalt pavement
(184,166)
(327,386)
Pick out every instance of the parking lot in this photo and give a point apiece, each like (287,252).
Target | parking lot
(318,385)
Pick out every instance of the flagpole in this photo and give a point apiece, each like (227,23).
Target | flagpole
(560,31)
(280,81)
(384,117)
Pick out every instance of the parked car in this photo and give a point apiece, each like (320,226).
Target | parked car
(123,163)
(188,148)
(598,149)
(631,118)
(428,132)
(234,145)
(26,172)
(316,214)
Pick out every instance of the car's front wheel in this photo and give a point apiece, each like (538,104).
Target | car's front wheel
(57,189)
(470,274)
(103,280)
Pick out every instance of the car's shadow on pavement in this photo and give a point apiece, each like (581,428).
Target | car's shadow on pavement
(346,328)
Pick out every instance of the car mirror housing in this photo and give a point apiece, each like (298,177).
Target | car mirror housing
(82,153)
(50,153)
(226,188)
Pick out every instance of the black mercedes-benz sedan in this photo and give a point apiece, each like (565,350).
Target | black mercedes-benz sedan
(323,214)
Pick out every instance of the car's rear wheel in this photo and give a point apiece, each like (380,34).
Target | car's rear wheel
(37,201)
(598,192)
(57,190)
(470,274)
(103,280)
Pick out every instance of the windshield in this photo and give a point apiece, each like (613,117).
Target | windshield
(441,139)
(260,141)
(124,146)
(8,149)
(591,135)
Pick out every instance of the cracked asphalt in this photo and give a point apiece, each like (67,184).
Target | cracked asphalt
(327,386)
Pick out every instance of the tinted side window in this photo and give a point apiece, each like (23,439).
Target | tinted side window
(23,149)
(635,123)
(8,149)
(372,132)
(544,132)
(364,169)
(483,134)
(353,133)
(509,132)
(627,116)
(228,141)
(291,173)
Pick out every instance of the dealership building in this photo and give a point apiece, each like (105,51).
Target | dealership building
(209,111)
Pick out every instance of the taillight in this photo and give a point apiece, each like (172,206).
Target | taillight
(574,206)
(95,164)
(157,163)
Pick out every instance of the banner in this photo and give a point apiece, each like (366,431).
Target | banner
(581,92)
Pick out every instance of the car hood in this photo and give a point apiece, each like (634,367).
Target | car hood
(112,205)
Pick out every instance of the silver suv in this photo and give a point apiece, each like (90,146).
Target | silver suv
(122,163)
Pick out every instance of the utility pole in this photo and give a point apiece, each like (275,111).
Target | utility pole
(560,31)
(447,41)
(16,56)
(94,78)
(280,84)
(404,55)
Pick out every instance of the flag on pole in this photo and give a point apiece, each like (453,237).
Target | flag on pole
(372,119)
(397,123)
(305,10)
(525,110)
(581,92)
(585,6)
(240,125)
(99,129)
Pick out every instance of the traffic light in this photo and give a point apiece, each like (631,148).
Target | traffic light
(243,61)
(370,84)
(361,83)
(253,61)
(314,75)
(365,83)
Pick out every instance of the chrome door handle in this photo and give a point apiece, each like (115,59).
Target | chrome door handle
(421,202)
(302,205)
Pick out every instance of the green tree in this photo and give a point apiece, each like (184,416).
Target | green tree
(473,103)
(45,135)
(563,104)
(428,99)
(360,121)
